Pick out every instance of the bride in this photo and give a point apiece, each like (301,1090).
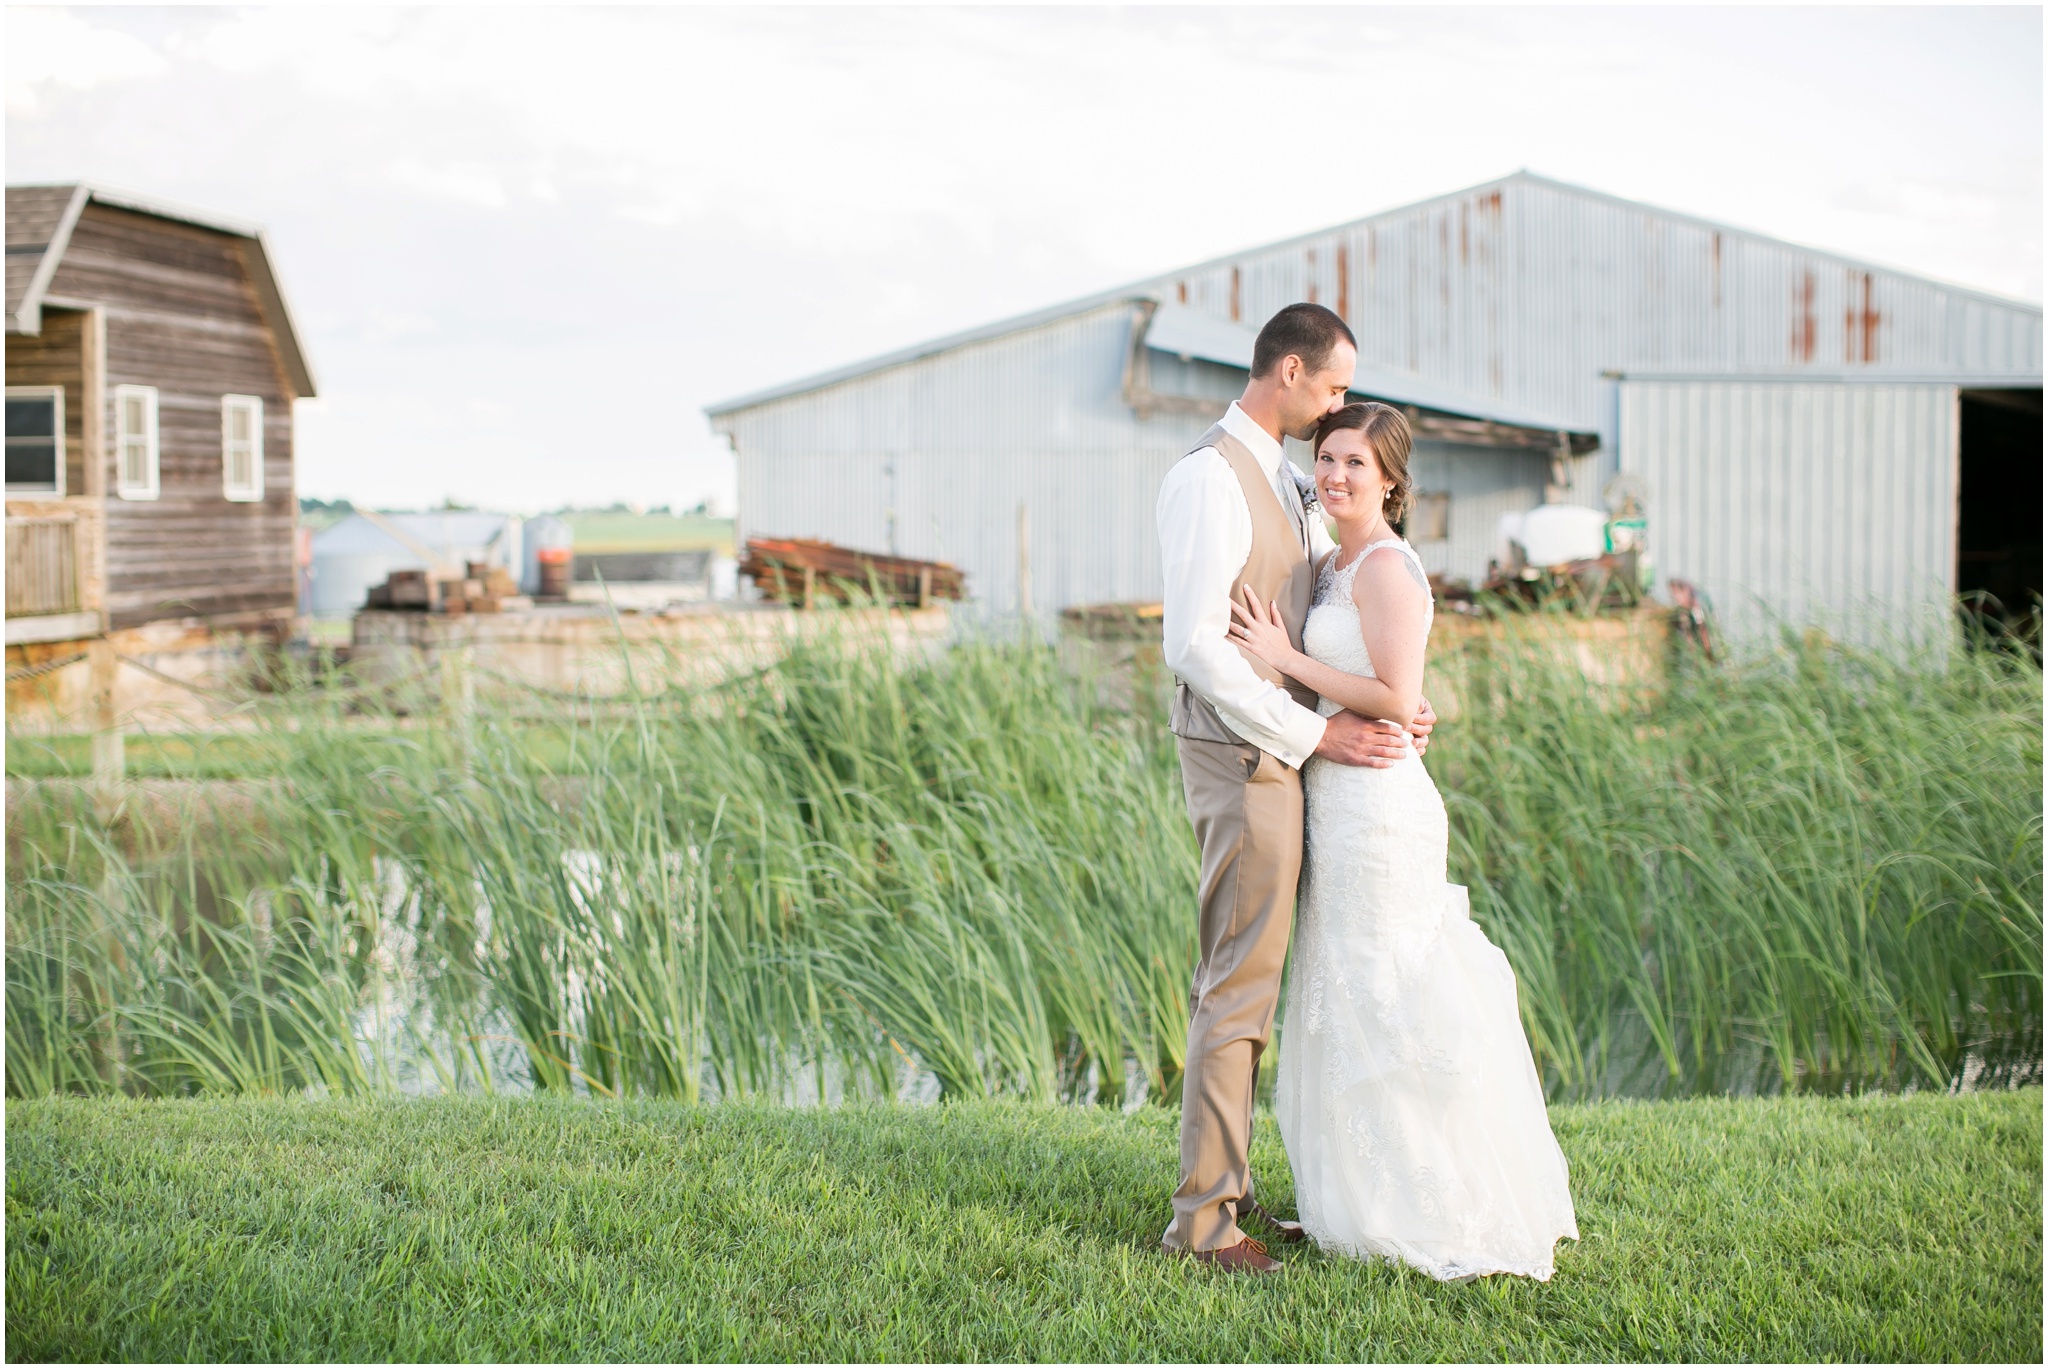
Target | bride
(1407,1096)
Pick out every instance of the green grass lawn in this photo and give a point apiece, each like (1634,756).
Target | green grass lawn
(223,755)
(1792,1229)
(168,755)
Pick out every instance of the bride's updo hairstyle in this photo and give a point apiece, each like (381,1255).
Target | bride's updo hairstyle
(1388,434)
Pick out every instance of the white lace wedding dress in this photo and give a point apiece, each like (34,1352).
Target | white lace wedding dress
(1407,1096)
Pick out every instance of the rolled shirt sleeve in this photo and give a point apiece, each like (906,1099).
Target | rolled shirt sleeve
(1205,535)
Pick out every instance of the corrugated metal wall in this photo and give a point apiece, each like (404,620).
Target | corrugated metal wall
(952,445)
(1483,483)
(1828,503)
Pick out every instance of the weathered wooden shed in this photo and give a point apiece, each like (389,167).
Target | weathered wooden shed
(151,368)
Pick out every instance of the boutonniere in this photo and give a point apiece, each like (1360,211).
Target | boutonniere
(1304,487)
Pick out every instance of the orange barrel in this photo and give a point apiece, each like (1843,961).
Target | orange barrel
(555,565)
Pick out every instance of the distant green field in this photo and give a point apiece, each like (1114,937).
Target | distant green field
(602,532)
(551,1229)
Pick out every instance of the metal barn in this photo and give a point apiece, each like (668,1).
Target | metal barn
(1800,423)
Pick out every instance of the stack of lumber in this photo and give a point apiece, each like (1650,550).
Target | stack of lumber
(404,590)
(799,571)
(481,588)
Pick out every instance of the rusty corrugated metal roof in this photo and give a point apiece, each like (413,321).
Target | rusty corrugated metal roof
(1524,290)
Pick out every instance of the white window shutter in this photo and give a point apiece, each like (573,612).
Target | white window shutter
(135,441)
(241,447)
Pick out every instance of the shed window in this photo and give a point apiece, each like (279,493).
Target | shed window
(1430,519)
(35,439)
(241,447)
(135,441)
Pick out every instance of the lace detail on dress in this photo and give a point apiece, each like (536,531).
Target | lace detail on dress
(1407,1095)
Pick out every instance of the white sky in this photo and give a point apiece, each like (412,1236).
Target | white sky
(527,245)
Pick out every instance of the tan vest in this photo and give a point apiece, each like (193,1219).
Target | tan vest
(1278,570)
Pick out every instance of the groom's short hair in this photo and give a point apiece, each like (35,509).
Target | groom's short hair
(1308,331)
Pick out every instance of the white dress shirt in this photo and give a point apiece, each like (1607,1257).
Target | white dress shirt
(1205,537)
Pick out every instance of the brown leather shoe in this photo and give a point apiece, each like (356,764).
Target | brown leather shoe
(1288,1231)
(1246,1257)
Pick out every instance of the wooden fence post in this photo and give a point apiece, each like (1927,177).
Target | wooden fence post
(109,759)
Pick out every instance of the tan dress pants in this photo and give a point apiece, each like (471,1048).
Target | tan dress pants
(1246,808)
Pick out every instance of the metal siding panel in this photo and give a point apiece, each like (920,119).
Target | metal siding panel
(1483,483)
(1036,416)
(1891,573)
(1806,503)
(1771,503)
(1821,441)
(1820,520)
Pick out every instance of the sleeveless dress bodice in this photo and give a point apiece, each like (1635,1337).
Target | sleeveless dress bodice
(1331,633)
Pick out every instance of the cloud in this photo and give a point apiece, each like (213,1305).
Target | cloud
(386,325)
(1910,197)
(48,47)
(464,183)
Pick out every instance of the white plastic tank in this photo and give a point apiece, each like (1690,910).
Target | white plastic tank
(1552,534)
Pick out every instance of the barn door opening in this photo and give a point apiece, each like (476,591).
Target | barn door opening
(1998,514)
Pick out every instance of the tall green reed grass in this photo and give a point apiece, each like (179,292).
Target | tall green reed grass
(1814,867)
(851,873)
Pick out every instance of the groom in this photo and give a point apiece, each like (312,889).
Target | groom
(1230,514)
